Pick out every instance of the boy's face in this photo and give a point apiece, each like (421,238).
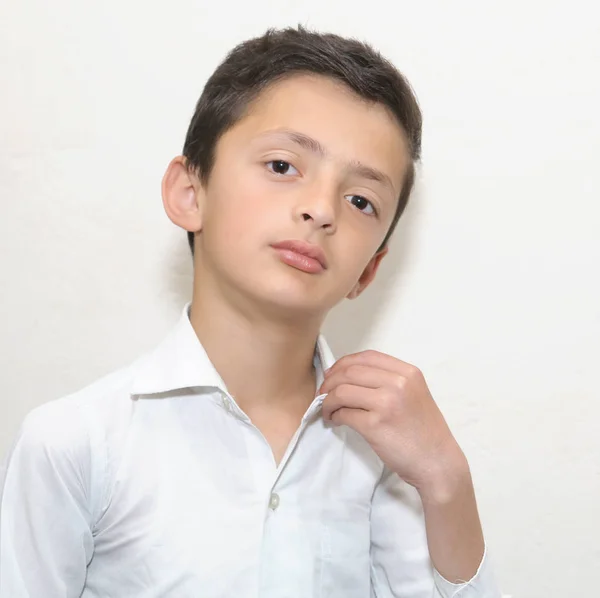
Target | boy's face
(271,183)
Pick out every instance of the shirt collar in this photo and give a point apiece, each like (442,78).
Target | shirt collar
(180,361)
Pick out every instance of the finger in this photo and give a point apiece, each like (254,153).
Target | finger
(357,419)
(359,375)
(348,395)
(374,359)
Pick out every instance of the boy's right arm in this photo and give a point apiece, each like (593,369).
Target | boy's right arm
(45,516)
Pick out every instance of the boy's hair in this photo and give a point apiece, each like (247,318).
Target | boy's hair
(257,63)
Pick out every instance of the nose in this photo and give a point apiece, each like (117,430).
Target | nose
(319,208)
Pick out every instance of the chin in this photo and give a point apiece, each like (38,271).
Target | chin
(289,297)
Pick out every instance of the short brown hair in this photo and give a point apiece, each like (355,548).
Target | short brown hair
(259,62)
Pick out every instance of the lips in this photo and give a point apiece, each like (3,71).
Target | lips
(302,248)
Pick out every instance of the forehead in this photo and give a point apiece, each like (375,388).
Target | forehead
(348,126)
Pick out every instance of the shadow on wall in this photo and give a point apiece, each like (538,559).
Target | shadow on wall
(349,322)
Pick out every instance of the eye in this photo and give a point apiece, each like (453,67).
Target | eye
(363,204)
(281,167)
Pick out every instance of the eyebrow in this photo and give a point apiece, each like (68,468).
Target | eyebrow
(315,147)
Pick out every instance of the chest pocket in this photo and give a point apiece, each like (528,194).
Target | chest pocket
(343,560)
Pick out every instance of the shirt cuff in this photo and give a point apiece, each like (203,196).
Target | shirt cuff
(481,585)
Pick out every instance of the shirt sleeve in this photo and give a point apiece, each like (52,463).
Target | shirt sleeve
(45,519)
(400,563)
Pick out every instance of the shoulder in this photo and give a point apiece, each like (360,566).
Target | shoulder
(75,441)
(74,426)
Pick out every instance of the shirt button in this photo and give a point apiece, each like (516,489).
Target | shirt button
(274,501)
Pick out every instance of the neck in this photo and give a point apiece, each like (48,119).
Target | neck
(264,361)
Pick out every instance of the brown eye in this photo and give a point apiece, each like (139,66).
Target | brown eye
(281,167)
(362,204)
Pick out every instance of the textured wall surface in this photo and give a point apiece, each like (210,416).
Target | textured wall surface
(492,284)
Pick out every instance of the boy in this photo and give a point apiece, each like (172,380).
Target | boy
(239,458)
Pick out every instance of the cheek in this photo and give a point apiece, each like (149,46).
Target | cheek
(240,211)
(357,245)
(357,257)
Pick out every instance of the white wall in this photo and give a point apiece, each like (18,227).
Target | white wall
(492,286)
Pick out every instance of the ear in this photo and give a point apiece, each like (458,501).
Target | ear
(182,195)
(368,275)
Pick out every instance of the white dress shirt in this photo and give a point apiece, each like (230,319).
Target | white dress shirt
(152,483)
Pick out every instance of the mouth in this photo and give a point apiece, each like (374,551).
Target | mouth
(301,255)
